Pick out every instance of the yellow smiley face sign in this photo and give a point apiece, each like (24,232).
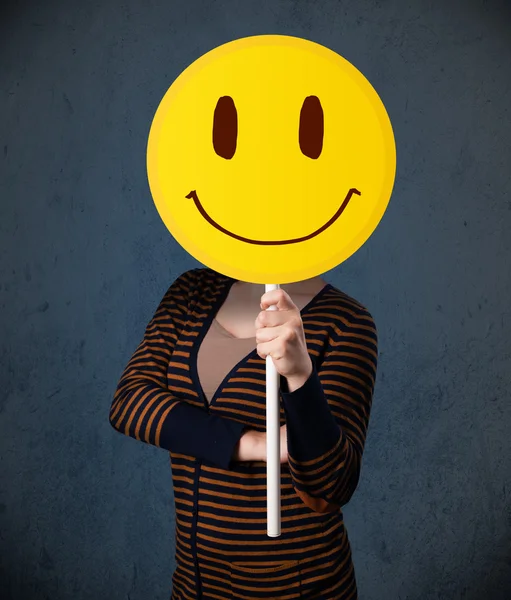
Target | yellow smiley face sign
(271,159)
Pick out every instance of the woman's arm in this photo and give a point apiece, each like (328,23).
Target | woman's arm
(327,417)
(144,407)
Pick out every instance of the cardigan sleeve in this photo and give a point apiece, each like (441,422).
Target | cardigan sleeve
(144,408)
(327,417)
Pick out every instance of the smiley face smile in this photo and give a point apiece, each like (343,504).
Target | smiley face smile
(201,209)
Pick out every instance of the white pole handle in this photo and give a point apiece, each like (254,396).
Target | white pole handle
(272,439)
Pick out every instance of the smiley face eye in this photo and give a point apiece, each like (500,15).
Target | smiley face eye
(311,127)
(225,127)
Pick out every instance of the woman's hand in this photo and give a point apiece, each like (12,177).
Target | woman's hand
(252,446)
(280,334)
(283,445)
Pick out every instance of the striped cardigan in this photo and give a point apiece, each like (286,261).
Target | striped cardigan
(222,549)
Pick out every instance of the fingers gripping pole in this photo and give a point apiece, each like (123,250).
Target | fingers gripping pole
(272,439)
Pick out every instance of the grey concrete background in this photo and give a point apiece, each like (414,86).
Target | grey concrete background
(86,513)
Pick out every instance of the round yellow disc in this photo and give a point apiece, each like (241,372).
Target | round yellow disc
(271,159)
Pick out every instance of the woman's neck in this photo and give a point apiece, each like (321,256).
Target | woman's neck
(307,287)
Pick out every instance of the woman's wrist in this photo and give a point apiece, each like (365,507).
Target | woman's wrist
(251,447)
(258,445)
(297,381)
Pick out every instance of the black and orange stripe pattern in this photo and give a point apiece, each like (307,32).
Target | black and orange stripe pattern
(222,550)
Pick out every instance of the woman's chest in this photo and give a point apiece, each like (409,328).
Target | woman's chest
(233,374)
(239,311)
(226,378)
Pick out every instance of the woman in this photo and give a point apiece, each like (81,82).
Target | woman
(196,387)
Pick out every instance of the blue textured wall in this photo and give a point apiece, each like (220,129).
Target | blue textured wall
(86,513)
